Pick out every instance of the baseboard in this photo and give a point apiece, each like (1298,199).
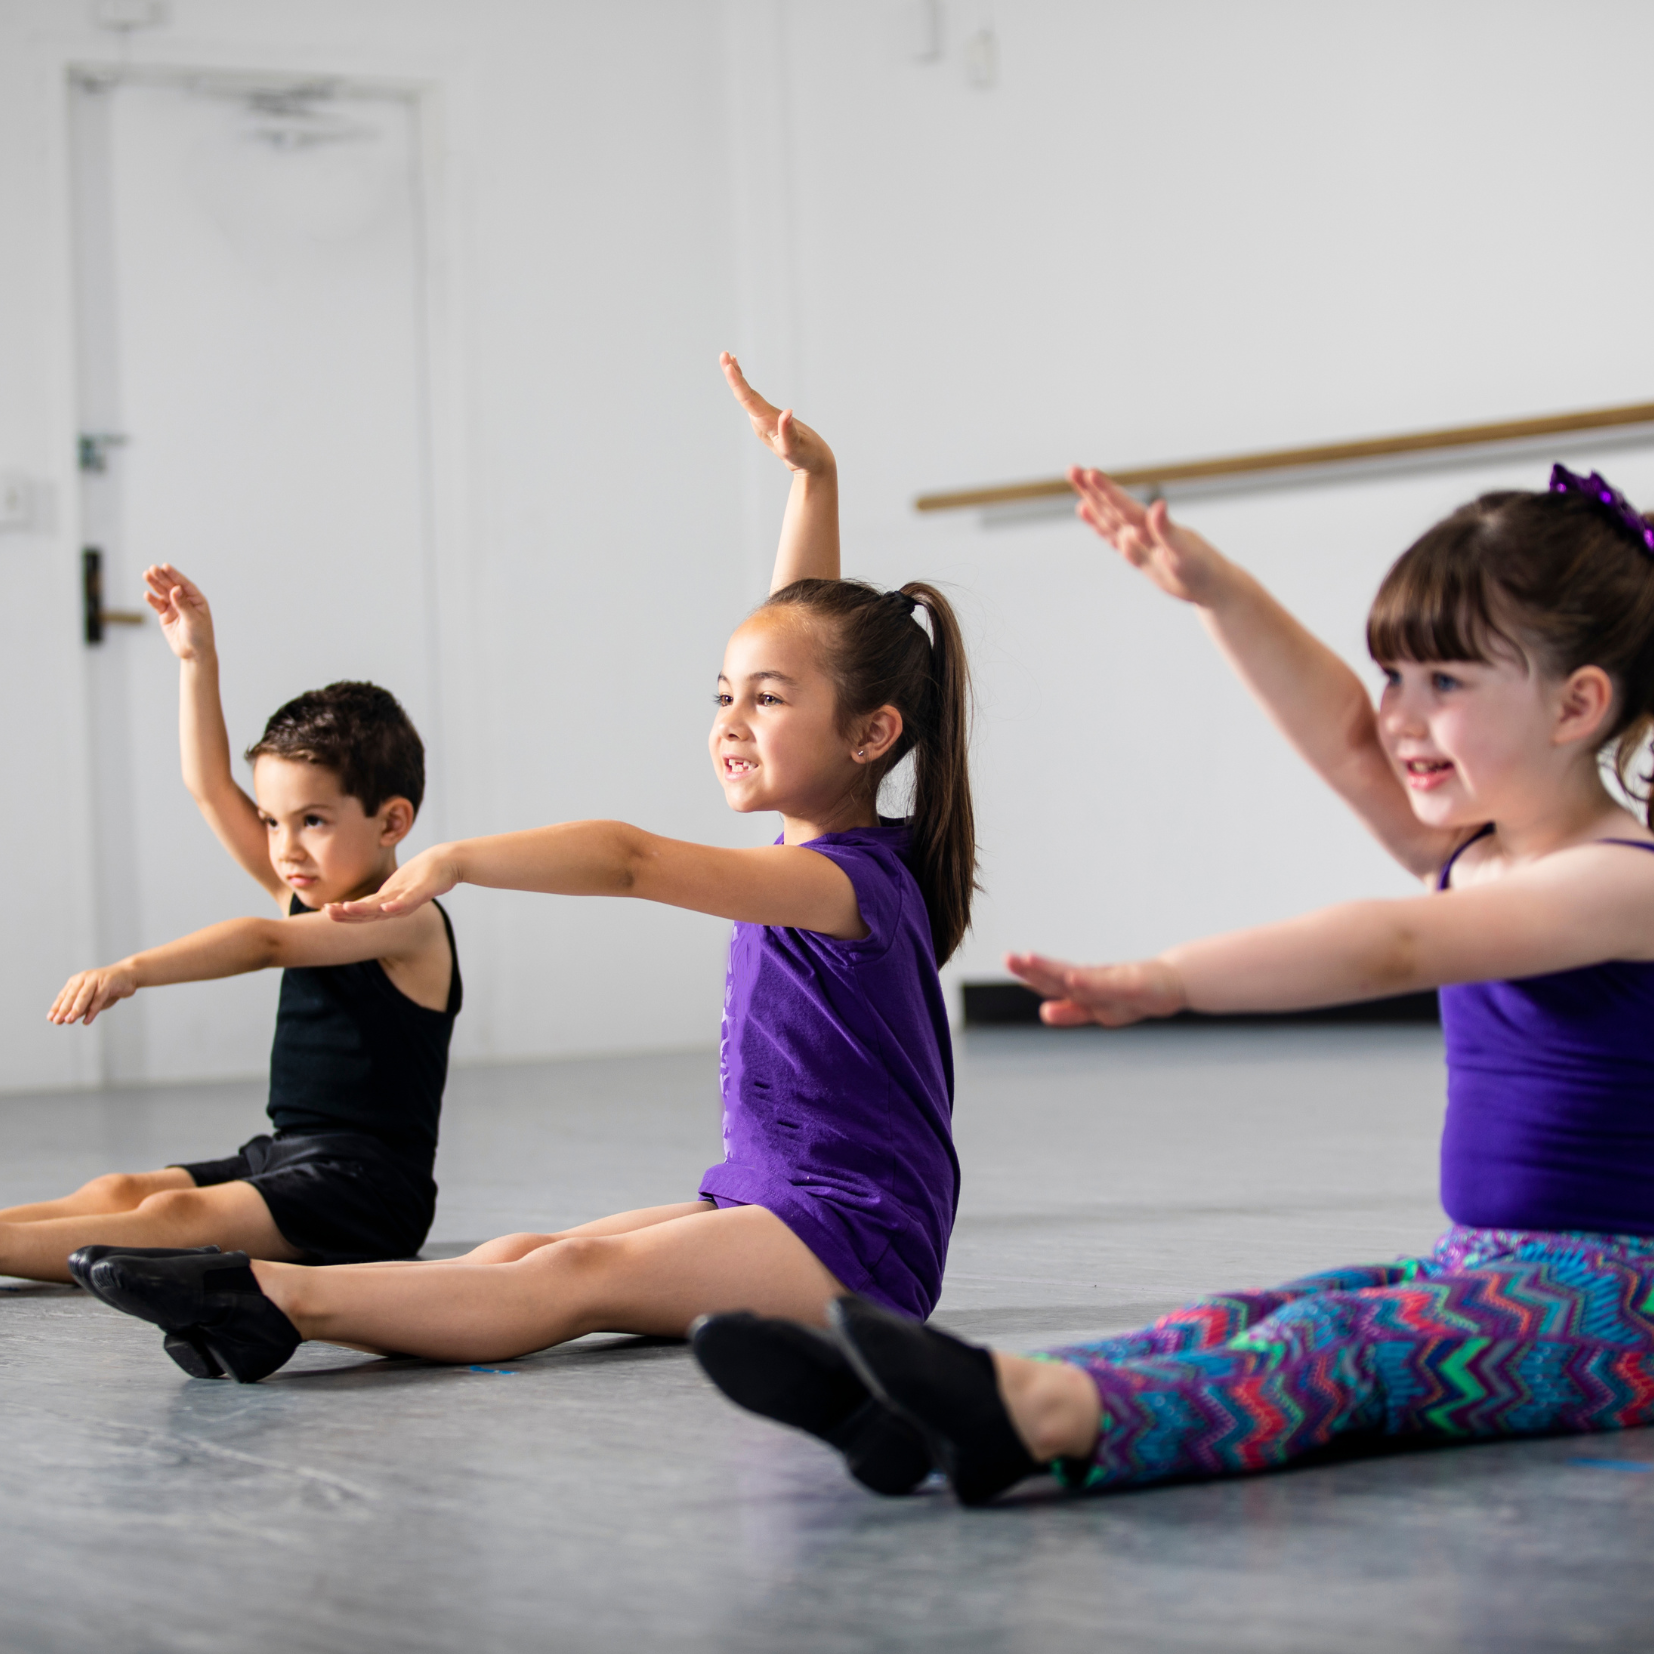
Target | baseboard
(1003,1004)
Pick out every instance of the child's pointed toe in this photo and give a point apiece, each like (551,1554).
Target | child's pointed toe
(785,1371)
(82,1258)
(947,1388)
(210,1306)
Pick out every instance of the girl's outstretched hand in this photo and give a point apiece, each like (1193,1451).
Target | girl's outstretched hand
(1113,995)
(1175,558)
(186,620)
(88,992)
(431,873)
(800,448)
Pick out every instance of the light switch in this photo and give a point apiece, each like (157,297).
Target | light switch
(16,500)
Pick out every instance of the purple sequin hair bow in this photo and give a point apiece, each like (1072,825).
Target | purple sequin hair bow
(1564,481)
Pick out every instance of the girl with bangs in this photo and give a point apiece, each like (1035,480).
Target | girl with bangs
(1517,643)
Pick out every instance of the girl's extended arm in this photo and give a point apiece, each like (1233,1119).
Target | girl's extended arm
(1577,907)
(809,548)
(231,949)
(1310,693)
(778,884)
(203,741)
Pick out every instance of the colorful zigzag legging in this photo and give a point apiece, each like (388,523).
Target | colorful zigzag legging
(1497,1333)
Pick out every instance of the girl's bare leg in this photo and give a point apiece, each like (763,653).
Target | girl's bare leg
(653,1278)
(230,1215)
(509,1248)
(1052,1404)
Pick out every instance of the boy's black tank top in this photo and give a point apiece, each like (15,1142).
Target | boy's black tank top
(353,1053)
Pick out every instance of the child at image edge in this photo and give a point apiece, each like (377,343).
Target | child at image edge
(839,1169)
(360,1055)
(1517,643)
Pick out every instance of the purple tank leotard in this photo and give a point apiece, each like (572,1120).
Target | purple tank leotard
(1550,1097)
(837,1070)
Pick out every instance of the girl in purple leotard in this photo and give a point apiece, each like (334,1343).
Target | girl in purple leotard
(839,1170)
(1517,644)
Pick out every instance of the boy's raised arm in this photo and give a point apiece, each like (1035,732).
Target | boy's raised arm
(204,743)
(234,947)
(809,547)
(1308,691)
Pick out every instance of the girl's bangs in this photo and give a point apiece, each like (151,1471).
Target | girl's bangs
(1436,604)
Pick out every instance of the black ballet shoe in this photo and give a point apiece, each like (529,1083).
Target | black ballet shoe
(211,1308)
(946,1387)
(797,1376)
(82,1259)
(191,1353)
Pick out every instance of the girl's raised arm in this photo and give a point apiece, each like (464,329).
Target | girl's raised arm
(809,548)
(1309,692)
(777,884)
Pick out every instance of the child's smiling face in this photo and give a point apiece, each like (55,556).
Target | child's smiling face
(775,741)
(323,845)
(1475,741)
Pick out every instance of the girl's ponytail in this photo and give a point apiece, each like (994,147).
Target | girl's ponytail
(879,655)
(943,822)
(1632,741)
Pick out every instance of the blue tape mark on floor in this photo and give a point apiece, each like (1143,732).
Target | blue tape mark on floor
(1615,1464)
(504,1372)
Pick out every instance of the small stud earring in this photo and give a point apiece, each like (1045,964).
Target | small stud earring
(861,752)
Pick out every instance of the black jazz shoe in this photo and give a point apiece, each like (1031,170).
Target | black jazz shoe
(216,1318)
(797,1376)
(946,1387)
(81,1261)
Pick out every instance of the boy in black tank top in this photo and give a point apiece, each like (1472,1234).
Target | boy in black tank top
(361,1048)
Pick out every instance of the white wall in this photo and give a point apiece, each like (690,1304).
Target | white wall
(588,479)
(1172,231)
(1166,231)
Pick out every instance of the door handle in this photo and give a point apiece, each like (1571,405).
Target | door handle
(94,616)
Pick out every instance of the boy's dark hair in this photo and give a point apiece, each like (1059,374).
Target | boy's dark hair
(878,654)
(357,730)
(1550,578)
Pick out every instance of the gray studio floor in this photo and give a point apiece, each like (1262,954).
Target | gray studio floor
(604,1497)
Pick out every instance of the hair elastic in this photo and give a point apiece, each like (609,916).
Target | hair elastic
(906,599)
(1564,481)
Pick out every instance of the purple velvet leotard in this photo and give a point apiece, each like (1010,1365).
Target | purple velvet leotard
(837,1072)
(1550,1097)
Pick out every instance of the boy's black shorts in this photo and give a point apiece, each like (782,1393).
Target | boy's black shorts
(338,1196)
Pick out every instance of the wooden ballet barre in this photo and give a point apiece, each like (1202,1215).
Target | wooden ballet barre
(1294,459)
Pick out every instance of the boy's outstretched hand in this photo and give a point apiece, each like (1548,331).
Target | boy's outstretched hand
(1175,558)
(88,992)
(430,874)
(1113,995)
(185,618)
(800,448)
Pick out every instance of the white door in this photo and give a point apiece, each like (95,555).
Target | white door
(251,323)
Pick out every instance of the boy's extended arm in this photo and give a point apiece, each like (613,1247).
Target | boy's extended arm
(809,545)
(233,948)
(1579,907)
(1308,691)
(778,884)
(203,740)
